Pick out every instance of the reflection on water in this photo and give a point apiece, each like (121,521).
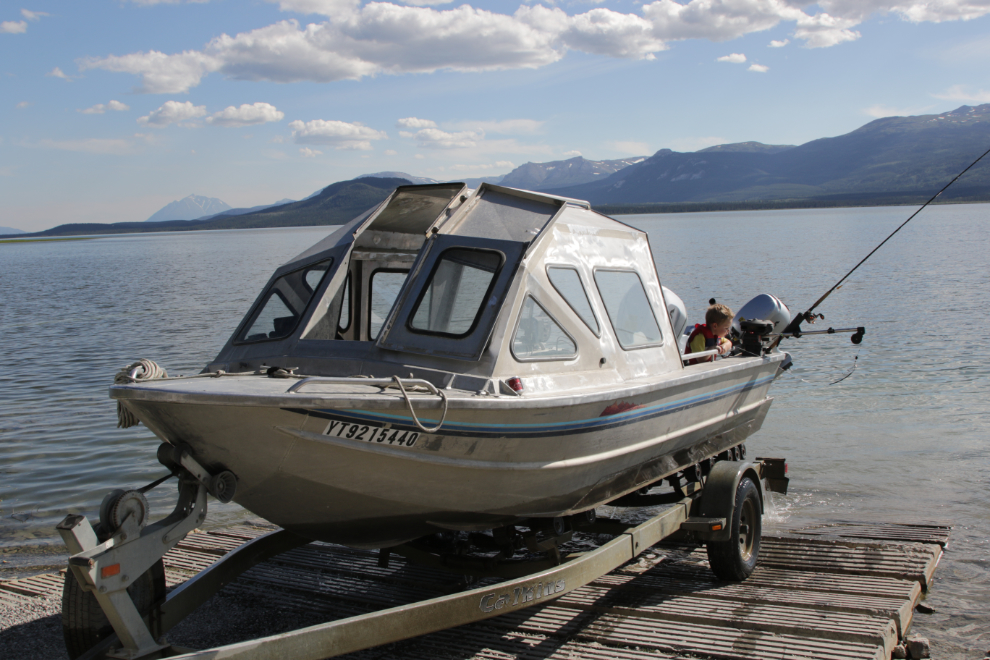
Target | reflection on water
(904,438)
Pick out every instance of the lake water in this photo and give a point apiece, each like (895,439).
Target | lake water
(905,438)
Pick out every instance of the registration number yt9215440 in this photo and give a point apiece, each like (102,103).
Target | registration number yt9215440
(370,433)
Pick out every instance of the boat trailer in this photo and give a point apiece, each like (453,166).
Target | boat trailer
(115,591)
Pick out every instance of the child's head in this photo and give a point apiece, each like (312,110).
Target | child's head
(718,318)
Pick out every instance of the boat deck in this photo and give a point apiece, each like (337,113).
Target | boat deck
(843,590)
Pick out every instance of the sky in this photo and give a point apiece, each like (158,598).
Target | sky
(111,110)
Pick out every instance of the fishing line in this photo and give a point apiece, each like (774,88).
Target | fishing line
(855,361)
(795,325)
(813,382)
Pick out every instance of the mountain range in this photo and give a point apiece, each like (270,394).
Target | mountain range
(190,208)
(334,205)
(895,160)
(6,231)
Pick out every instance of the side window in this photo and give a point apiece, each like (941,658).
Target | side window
(385,286)
(313,275)
(344,322)
(568,284)
(628,308)
(539,337)
(284,303)
(456,293)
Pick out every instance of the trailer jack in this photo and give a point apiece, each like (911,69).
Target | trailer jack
(106,569)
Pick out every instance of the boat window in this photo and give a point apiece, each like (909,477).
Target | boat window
(539,337)
(344,322)
(385,287)
(456,293)
(628,308)
(568,284)
(338,304)
(313,275)
(284,303)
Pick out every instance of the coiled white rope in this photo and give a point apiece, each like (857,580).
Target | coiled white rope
(405,395)
(141,370)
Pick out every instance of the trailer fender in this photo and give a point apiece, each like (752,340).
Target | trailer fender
(718,499)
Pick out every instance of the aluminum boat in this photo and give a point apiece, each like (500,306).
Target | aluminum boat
(456,360)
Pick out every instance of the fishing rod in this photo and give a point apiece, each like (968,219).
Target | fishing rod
(793,329)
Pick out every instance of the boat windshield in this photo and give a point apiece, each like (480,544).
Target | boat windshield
(455,295)
(280,309)
(628,308)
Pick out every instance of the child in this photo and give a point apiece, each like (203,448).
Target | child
(711,335)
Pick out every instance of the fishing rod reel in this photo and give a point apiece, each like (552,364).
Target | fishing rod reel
(764,321)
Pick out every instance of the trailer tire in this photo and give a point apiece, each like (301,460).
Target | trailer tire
(83,622)
(733,560)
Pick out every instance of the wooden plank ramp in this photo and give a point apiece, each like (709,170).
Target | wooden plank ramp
(844,590)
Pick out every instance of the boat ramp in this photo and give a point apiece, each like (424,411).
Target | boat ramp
(843,590)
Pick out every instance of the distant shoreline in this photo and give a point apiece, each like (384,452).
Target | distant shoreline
(94,230)
(769,205)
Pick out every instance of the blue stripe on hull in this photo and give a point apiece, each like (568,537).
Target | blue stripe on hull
(475,429)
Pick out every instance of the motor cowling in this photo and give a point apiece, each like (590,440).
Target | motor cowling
(764,308)
(677,311)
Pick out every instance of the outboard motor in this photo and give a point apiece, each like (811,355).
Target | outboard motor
(753,336)
(763,307)
(677,311)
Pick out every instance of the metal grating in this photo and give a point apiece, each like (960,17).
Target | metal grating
(813,595)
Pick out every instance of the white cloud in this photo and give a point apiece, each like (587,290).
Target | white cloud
(58,73)
(246,115)
(100,108)
(382,37)
(734,58)
(776,43)
(13,27)
(599,31)
(880,110)
(172,112)
(338,134)
(824,31)
(391,152)
(503,127)
(630,147)
(415,122)
(434,138)
(323,7)
(498,165)
(357,41)
(964,94)
(916,11)
(310,153)
(722,20)
(759,68)
(161,73)
(33,15)
(23,104)
(571,154)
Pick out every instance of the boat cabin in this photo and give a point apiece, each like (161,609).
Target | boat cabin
(495,291)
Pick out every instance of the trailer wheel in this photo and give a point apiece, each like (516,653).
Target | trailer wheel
(734,560)
(83,622)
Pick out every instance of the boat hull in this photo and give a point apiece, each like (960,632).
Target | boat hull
(489,465)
